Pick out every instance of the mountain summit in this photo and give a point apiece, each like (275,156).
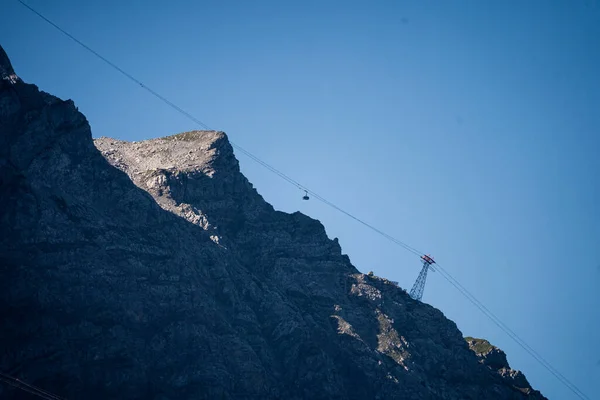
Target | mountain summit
(6,69)
(154,270)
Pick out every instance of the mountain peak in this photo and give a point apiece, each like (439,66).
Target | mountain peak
(194,150)
(6,70)
(161,254)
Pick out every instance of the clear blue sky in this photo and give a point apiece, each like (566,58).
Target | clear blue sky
(468,129)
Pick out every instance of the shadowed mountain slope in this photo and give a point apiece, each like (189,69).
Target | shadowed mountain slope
(154,270)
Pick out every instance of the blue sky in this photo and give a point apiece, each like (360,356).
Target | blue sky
(468,129)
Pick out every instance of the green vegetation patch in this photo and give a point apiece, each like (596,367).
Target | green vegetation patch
(480,346)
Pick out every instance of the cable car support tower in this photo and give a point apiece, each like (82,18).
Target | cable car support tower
(417,290)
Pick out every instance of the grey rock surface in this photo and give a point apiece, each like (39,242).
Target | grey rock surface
(154,270)
(6,69)
(495,360)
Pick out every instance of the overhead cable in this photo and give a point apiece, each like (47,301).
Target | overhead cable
(27,387)
(291,181)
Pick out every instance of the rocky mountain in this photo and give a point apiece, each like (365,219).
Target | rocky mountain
(154,270)
(495,360)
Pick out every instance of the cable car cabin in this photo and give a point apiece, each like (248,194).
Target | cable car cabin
(305,197)
(428,259)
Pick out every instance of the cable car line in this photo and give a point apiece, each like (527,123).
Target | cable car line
(307,191)
(205,126)
(498,322)
(27,387)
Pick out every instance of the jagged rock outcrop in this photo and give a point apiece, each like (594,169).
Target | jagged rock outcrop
(167,276)
(6,70)
(495,360)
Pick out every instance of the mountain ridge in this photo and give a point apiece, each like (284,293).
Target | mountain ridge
(154,269)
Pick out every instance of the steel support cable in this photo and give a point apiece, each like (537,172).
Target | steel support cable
(325,201)
(19,384)
(498,322)
(277,172)
(27,387)
(389,237)
(205,126)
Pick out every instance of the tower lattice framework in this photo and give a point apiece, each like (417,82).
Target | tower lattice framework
(417,290)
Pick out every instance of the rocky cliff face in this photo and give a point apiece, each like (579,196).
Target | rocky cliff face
(495,360)
(154,270)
